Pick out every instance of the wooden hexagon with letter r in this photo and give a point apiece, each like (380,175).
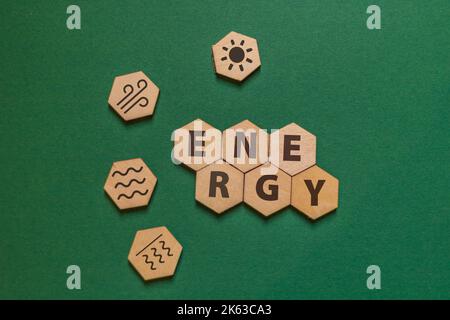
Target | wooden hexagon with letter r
(133,96)
(245,146)
(130,183)
(155,253)
(315,192)
(196,145)
(236,56)
(293,149)
(267,189)
(219,186)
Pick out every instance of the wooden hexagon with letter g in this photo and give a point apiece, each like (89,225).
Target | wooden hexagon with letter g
(267,189)
(155,253)
(133,96)
(130,183)
(236,56)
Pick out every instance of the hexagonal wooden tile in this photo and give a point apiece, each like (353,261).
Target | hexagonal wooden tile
(155,253)
(315,192)
(133,96)
(219,186)
(293,149)
(130,183)
(267,189)
(245,146)
(236,56)
(196,145)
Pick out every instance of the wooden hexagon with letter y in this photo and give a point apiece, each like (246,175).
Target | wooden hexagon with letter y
(315,192)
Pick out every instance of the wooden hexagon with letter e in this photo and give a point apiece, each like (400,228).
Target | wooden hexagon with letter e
(236,56)
(133,96)
(315,192)
(293,149)
(219,186)
(245,146)
(196,145)
(130,183)
(267,189)
(155,253)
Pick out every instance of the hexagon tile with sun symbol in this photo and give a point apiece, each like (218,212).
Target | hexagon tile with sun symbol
(236,56)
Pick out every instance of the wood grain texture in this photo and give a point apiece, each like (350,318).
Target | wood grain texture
(155,253)
(219,186)
(245,154)
(293,149)
(236,56)
(267,189)
(197,144)
(315,192)
(130,184)
(133,96)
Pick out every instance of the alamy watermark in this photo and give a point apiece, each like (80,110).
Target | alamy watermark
(74,279)
(73,21)
(205,145)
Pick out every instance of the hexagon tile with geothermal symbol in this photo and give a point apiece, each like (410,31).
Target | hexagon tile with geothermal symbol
(133,96)
(236,56)
(130,184)
(155,253)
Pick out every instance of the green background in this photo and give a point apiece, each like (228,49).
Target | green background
(378,102)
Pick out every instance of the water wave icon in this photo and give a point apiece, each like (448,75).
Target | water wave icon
(132,194)
(127,171)
(126,185)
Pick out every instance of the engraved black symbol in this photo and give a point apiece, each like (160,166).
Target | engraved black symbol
(237,55)
(155,253)
(129,185)
(130,100)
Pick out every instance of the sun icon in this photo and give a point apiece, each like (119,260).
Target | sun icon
(236,55)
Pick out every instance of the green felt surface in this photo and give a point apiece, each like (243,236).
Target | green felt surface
(378,102)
